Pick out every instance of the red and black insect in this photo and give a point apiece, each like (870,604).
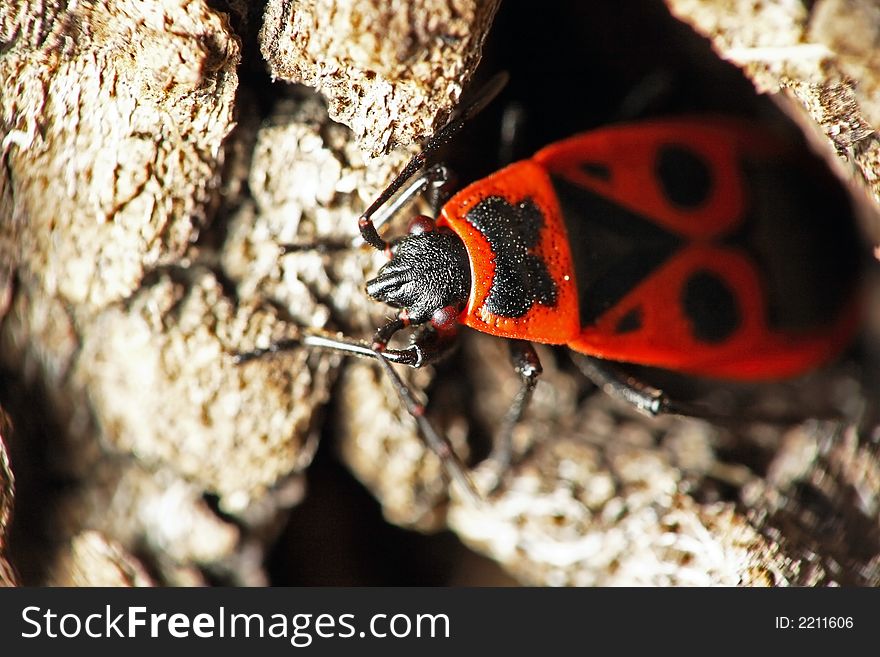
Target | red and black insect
(695,245)
(703,245)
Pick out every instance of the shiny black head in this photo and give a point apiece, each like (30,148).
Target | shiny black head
(427,271)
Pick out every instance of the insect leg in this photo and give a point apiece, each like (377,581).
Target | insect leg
(646,399)
(276,347)
(527,364)
(385,332)
(326,246)
(436,181)
(418,161)
(428,345)
(652,401)
(435,441)
(617,384)
(648,96)
(513,121)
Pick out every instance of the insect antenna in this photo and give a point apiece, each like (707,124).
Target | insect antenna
(434,440)
(418,161)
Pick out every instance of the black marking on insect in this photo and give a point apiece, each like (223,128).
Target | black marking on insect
(521,278)
(711,306)
(613,249)
(685,177)
(596,170)
(631,321)
(804,254)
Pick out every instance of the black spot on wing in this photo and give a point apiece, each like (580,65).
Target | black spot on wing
(711,306)
(596,170)
(521,278)
(630,322)
(685,177)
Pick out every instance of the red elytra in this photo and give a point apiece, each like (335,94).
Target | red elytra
(702,245)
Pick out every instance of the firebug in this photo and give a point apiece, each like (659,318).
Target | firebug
(704,245)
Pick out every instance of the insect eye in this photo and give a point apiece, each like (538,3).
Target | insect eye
(444,318)
(421,224)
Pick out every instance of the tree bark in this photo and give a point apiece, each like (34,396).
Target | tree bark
(150,171)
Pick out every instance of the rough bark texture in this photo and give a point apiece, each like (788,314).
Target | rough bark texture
(115,117)
(148,177)
(390,71)
(113,114)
